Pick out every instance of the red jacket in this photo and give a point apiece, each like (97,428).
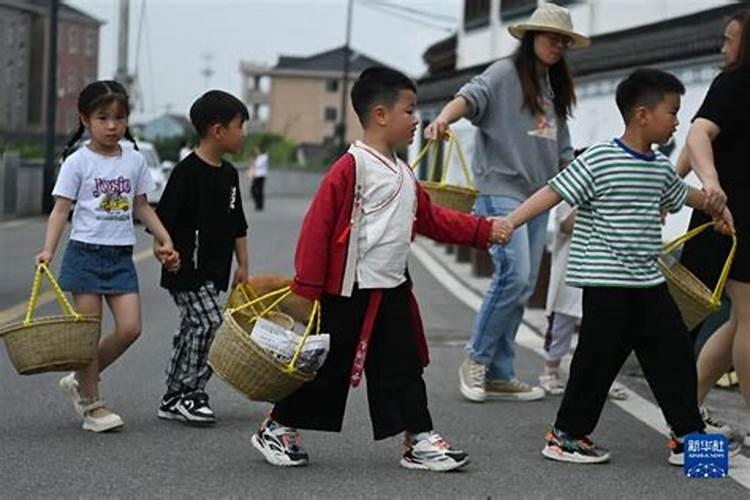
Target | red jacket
(321,254)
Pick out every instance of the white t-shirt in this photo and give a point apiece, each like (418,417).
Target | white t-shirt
(390,205)
(103,188)
(562,298)
(261,165)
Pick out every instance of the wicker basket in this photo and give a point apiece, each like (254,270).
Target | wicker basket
(694,299)
(55,343)
(453,197)
(295,306)
(246,366)
(460,198)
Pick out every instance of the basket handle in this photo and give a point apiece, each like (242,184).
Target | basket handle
(314,316)
(36,287)
(724,276)
(453,142)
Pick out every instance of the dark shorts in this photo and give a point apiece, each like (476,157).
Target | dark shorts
(98,269)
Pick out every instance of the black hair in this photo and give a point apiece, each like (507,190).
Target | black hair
(560,78)
(645,87)
(378,85)
(743,55)
(97,95)
(216,106)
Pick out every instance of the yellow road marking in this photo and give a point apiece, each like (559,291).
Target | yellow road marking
(18,310)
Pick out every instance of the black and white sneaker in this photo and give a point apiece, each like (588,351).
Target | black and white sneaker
(279,445)
(429,451)
(563,447)
(168,407)
(192,409)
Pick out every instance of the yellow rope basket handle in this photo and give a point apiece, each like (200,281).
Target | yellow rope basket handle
(36,287)
(314,315)
(462,161)
(282,293)
(724,276)
(453,141)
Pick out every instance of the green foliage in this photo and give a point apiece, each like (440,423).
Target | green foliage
(280,151)
(26,150)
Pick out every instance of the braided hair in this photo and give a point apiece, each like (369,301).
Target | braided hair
(94,96)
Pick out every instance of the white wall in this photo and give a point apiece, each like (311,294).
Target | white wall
(590,17)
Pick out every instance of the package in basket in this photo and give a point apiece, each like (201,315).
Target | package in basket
(282,344)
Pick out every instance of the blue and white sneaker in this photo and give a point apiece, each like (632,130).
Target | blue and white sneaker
(279,445)
(429,451)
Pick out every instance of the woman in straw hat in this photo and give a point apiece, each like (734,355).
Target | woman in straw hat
(520,106)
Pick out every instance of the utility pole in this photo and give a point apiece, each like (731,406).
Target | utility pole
(123,32)
(48,175)
(345,78)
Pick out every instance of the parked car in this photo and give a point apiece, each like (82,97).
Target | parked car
(155,167)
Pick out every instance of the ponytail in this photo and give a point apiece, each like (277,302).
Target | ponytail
(73,140)
(129,136)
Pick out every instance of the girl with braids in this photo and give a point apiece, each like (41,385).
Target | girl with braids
(108,184)
(520,106)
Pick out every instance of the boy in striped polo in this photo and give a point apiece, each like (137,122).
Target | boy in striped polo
(621,187)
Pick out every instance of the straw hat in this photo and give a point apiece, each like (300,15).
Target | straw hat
(551,17)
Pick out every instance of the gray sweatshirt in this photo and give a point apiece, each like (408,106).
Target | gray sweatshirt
(515,152)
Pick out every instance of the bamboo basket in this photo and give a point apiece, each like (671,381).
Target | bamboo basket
(460,198)
(694,299)
(244,365)
(51,343)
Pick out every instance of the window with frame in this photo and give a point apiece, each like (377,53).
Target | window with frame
(332,85)
(476,14)
(330,114)
(72,40)
(510,9)
(89,43)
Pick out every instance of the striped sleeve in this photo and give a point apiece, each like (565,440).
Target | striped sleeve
(575,183)
(675,192)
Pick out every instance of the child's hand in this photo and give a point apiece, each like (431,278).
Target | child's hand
(44,256)
(167,255)
(502,231)
(172,261)
(725,223)
(241,275)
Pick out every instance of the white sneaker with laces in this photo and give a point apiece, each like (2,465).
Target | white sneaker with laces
(279,445)
(471,380)
(429,451)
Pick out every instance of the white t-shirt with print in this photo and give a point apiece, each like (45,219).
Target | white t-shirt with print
(103,188)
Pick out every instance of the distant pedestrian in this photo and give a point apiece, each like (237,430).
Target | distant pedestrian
(258,173)
(202,207)
(108,184)
(620,188)
(352,254)
(520,106)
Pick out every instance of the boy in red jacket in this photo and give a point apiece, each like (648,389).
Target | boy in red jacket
(351,255)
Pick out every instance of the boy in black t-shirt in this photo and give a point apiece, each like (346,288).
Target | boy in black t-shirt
(201,207)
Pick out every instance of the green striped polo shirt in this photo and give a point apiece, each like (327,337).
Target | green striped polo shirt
(620,194)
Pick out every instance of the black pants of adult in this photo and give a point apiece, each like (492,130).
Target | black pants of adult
(257,191)
(617,321)
(395,389)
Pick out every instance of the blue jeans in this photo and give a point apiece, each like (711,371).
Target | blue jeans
(516,270)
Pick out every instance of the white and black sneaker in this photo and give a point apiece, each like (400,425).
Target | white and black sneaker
(168,407)
(429,451)
(191,409)
(280,445)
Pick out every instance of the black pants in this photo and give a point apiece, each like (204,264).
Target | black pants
(395,390)
(256,191)
(615,322)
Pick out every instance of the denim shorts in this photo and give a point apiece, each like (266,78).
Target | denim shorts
(98,269)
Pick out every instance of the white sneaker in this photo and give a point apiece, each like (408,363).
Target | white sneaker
(69,386)
(431,453)
(105,421)
(714,425)
(513,390)
(471,380)
(551,384)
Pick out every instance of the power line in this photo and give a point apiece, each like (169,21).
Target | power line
(419,12)
(404,16)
